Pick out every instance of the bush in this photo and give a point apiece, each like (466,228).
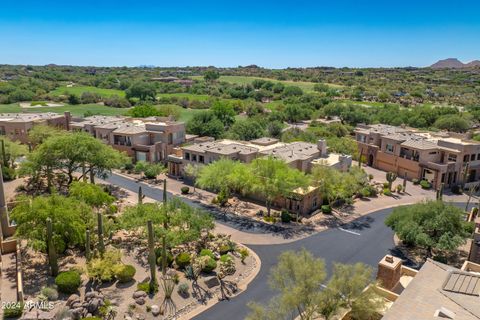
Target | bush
(326,209)
(102,269)
(425,184)
(285,216)
(387,192)
(145,287)
(8,173)
(399,188)
(124,273)
(68,282)
(243,254)
(50,293)
(415,181)
(183,289)
(158,253)
(225,258)
(182,260)
(13,311)
(370,176)
(269,219)
(210,265)
(440,258)
(386,185)
(185,190)
(207,252)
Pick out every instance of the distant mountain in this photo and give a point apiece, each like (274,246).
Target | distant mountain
(454,63)
(474,63)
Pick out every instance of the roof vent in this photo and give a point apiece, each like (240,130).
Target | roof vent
(444,313)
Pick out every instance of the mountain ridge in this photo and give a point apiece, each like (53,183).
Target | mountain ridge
(454,63)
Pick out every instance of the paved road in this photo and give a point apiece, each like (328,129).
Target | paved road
(366,240)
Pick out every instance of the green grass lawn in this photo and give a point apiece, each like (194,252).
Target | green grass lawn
(78,90)
(190,96)
(306,86)
(76,110)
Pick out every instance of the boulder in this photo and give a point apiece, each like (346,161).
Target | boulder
(139,294)
(211,282)
(93,305)
(76,304)
(90,295)
(77,313)
(43,315)
(155,310)
(140,301)
(29,315)
(73,298)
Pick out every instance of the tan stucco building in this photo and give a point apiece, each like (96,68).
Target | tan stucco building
(17,125)
(302,156)
(446,158)
(149,139)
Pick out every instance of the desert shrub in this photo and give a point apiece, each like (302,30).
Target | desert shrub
(226,248)
(469,227)
(13,311)
(370,176)
(185,190)
(8,173)
(399,188)
(425,184)
(92,318)
(68,281)
(50,293)
(209,265)
(269,219)
(158,253)
(145,287)
(182,260)
(207,252)
(440,258)
(243,254)
(386,185)
(326,209)
(102,269)
(225,258)
(415,181)
(124,272)
(183,289)
(285,216)
(387,192)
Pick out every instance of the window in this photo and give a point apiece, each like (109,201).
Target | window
(314,204)
(465,158)
(433,152)
(187,156)
(452,157)
(478,156)
(194,157)
(443,177)
(362,138)
(472,157)
(201,159)
(389,148)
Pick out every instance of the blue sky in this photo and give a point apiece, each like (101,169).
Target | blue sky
(272,34)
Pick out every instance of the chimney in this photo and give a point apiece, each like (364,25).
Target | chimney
(345,162)
(389,271)
(322,146)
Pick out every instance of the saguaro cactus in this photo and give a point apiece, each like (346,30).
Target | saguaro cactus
(164,190)
(101,244)
(88,253)
(4,155)
(52,254)
(141,196)
(391,177)
(405,182)
(164,255)
(151,256)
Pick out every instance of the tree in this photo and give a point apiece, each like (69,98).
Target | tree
(432,225)
(224,112)
(91,194)
(68,152)
(272,178)
(175,220)
(38,134)
(246,130)
(205,123)
(12,151)
(224,175)
(193,172)
(211,75)
(142,90)
(298,278)
(455,123)
(70,219)
(143,111)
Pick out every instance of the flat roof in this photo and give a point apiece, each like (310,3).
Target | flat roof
(28,117)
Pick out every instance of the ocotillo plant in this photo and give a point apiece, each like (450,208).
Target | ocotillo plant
(101,244)
(151,256)
(391,176)
(141,196)
(52,254)
(88,254)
